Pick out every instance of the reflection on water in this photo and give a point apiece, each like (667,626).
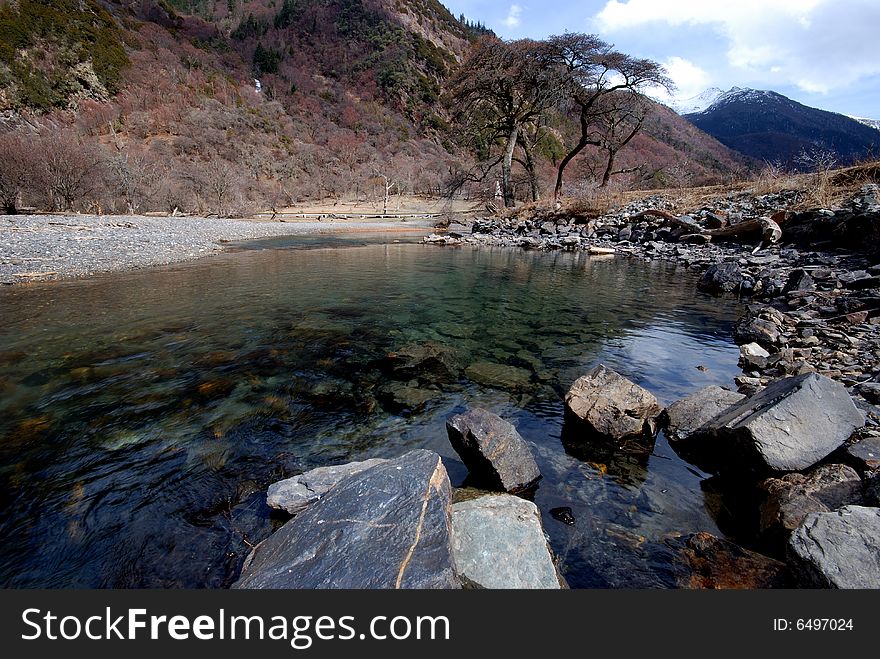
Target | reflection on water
(142,415)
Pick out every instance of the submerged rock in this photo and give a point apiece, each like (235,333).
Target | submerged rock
(386,527)
(706,562)
(791,424)
(794,496)
(493,451)
(838,549)
(500,376)
(611,406)
(498,542)
(294,494)
(430,360)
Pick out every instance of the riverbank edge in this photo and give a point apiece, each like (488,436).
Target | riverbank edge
(45,248)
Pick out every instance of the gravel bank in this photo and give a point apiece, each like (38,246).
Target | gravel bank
(38,247)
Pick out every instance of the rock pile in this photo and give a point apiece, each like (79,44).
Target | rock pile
(392,524)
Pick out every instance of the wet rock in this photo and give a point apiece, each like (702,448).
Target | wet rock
(611,406)
(791,498)
(400,397)
(500,376)
(752,354)
(386,527)
(721,278)
(790,425)
(838,549)
(493,451)
(685,417)
(706,562)
(295,494)
(498,542)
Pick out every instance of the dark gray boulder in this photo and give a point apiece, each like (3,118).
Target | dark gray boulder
(721,278)
(294,494)
(838,549)
(386,527)
(611,406)
(865,454)
(493,451)
(791,498)
(498,542)
(790,425)
(686,417)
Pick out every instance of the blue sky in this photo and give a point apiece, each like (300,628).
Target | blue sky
(823,53)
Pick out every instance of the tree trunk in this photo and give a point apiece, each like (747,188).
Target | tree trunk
(609,168)
(530,168)
(507,167)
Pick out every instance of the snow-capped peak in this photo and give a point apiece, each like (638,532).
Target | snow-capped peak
(715,97)
(696,103)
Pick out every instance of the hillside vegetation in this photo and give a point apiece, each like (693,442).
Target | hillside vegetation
(152,105)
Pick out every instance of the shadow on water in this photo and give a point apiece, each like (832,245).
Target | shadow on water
(143,415)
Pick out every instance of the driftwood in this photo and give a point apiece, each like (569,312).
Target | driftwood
(768,228)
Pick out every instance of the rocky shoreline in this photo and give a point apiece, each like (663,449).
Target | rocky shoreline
(48,247)
(795,452)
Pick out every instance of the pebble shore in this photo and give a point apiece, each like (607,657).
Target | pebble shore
(41,247)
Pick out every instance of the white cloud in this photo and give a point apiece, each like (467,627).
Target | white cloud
(689,78)
(818,45)
(513,15)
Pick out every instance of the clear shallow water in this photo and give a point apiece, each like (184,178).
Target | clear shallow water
(143,415)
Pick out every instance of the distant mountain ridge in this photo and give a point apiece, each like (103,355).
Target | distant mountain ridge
(768,126)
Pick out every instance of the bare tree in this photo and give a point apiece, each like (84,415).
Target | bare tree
(16,169)
(592,69)
(501,88)
(68,168)
(617,128)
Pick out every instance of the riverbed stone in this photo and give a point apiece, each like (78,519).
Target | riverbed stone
(500,376)
(839,549)
(704,561)
(386,527)
(295,494)
(791,498)
(499,542)
(493,451)
(791,424)
(611,406)
(685,417)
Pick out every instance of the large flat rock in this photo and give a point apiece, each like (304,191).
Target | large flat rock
(493,451)
(498,542)
(792,424)
(838,549)
(611,406)
(294,494)
(386,527)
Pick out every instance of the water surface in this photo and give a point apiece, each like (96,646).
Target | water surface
(143,415)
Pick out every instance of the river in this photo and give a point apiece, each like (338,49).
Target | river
(143,414)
